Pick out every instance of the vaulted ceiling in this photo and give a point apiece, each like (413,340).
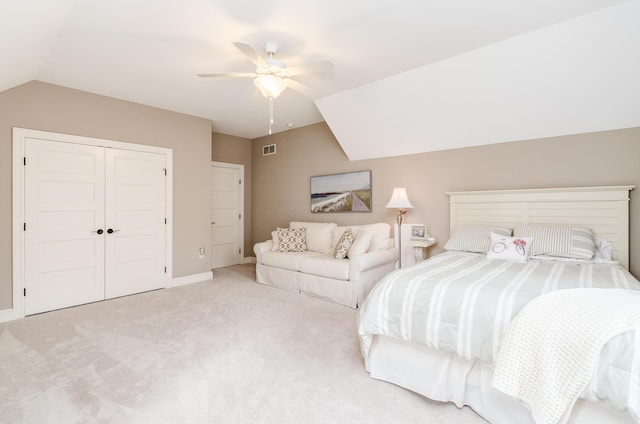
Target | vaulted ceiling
(408,75)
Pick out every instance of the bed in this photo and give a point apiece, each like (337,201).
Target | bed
(454,309)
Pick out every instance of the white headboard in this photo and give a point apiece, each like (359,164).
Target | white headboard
(603,209)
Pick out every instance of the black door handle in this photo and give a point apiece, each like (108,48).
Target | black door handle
(98,231)
(111,231)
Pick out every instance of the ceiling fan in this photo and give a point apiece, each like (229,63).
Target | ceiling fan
(271,76)
(270,70)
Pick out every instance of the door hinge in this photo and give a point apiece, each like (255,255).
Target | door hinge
(239,216)
(165,172)
(240,181)
(24,293)
(165,221)
(239,251)
(24,227)
(165,269)
(24,161)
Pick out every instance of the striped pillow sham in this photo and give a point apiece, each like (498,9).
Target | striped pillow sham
(474,238)
(564,241)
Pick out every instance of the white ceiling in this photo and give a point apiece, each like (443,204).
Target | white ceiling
(149,51)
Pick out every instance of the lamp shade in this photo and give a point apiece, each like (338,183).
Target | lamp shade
(399,199)
(270,85)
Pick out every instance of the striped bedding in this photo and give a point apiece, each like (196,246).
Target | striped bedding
(462,303)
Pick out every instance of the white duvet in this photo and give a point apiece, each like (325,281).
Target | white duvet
(464,303)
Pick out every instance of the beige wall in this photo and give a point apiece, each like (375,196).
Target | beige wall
(47,107)
(281,181)
(230,149)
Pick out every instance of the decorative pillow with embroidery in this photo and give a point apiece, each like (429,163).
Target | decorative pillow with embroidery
(292,239)
(344,244)
(509,248)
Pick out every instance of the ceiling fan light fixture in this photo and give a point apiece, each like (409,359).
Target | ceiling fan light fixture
(270,85)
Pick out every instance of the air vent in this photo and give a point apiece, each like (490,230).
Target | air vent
(269,150)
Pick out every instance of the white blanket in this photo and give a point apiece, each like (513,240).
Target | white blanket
(552,347)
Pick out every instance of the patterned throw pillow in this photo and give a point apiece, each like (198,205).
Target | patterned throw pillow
(292,239)
(344,244)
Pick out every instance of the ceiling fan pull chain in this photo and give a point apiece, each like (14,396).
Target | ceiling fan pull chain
(270,113)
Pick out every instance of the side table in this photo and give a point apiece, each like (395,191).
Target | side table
(420,248)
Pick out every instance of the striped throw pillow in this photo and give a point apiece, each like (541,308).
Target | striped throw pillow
(474,238)
(564,241)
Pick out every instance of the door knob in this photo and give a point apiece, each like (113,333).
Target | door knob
(111,231)
(98,231)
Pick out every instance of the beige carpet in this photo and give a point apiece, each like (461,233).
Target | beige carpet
(222,351)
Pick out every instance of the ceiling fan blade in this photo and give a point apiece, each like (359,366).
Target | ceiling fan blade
(229,75)
(250,52)
(301,88)
(322,66)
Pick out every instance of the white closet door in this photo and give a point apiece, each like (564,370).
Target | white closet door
(135,222)
(64,212)
(226,216)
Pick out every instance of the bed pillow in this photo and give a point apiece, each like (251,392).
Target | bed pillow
(343,245)
(292,239)
(474,238)
(565,241)
(509,248)
(361,243)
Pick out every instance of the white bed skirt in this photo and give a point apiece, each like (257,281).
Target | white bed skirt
(446,377)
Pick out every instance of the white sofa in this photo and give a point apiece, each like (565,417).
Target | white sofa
(317,272)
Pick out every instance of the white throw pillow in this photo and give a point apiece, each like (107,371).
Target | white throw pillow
(509,248)
(381,235)
(361,243)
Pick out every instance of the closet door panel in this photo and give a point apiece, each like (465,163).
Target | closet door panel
(64,209)
(135,198)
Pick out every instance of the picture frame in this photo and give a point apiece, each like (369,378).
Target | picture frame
(346,192)
(419,232)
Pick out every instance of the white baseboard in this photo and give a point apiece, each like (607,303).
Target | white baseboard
(9,315)
(190,279)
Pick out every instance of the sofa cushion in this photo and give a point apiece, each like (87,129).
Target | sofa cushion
(344,244)
(292,239)
(285,260)
(325,266)
(318,235)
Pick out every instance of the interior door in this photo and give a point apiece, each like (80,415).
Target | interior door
(64,232)
(226,216)
(135,222)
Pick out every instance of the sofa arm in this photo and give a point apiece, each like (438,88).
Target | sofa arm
(371,260)
(260,248)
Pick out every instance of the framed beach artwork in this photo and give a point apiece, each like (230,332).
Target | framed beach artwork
(348,192)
